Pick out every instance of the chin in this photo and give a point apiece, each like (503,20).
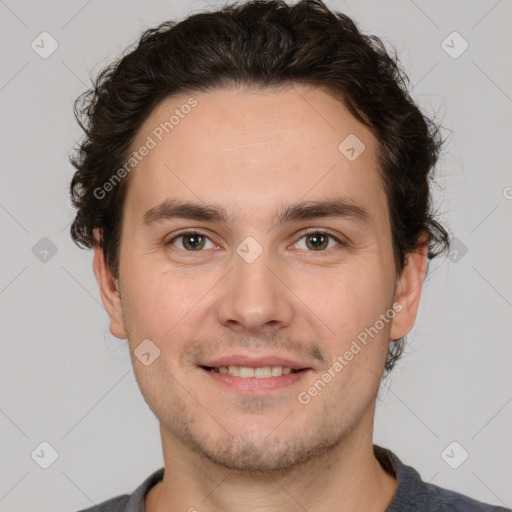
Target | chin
(260,453)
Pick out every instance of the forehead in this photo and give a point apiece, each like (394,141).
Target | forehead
(250,149)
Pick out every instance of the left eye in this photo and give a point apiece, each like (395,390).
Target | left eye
(318,240)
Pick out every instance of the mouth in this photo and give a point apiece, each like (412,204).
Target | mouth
(254,377)
(247,372)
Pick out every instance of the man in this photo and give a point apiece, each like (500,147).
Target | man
(254,182)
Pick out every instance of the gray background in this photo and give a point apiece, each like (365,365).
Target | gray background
(66,380)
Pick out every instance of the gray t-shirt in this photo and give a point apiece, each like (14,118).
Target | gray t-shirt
(412,494)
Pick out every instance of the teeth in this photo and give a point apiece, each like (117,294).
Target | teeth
(244,372)
(277,371)
(234,370)
(263,372)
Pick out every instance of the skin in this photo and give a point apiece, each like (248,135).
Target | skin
(254,152)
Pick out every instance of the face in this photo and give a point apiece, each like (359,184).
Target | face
(247,321)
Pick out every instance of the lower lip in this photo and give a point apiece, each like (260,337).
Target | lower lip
(255,384)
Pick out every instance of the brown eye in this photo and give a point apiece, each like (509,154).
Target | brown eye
(318,241)
(191,241)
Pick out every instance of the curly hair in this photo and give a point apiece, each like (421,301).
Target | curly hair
(265,44)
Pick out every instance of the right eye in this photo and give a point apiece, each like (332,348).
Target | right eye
(191,241)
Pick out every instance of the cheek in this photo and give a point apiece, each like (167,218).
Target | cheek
(152,304)
(167,307)
(352,309)
(347,301)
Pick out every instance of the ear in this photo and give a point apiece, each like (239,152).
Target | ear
(110,295)
(408,290)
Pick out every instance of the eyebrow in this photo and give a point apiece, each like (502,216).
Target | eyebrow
(339,207)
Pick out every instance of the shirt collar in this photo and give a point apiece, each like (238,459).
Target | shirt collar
(136,501)
(411,493)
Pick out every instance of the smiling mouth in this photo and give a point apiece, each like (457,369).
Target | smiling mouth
(244,372)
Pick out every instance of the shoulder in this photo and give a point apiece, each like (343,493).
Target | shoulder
(450,501)
(415,495)
(117,504)
(129,502)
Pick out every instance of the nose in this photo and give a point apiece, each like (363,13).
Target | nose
(255,296)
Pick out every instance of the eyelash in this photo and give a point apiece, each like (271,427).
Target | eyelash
(312,231)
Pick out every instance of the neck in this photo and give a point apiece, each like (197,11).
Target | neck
(347,478)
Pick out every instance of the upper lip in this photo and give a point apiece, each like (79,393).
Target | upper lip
(254,362)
